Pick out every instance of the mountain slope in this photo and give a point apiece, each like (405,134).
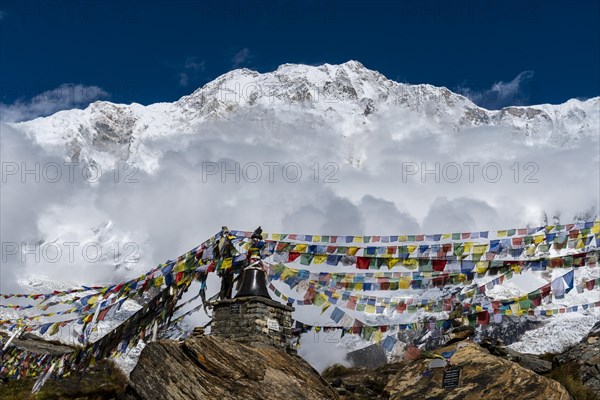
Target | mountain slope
(344,100)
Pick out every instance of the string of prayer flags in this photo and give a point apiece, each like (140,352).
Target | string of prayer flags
(573,229)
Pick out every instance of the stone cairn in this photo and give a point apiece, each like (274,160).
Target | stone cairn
(255,321)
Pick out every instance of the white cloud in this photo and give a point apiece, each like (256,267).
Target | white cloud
(66,96)
(194,64)
(184,79)
(171,209)
(464,212)
(383,217)
(192,69)
(502,94)
(241,58)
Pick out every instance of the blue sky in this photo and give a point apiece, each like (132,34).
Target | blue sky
(535,52)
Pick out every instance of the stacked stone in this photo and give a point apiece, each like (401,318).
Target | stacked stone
(198,332)
(254,321)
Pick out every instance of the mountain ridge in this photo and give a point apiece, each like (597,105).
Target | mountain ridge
(346,99)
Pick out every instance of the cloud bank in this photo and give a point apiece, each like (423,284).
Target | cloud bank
(66,96)
(502,94)
(243,173)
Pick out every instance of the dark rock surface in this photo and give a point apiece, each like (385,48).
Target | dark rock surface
(219,368)
(584,357)
(369,357)
(483,376)
(526,360)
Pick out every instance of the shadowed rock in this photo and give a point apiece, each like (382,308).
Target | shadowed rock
(584,359)
(483,376)
(218,368)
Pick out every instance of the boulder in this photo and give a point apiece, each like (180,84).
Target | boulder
(218,368)
(483,375)
(372,356)
(529,361)
(358,383)
(584,359)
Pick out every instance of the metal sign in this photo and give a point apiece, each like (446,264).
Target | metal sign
(451,378)
(235,308)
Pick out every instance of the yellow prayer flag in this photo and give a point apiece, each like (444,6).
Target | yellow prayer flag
(479,248)
(468,246)
(179,266)
(537,239)
(352,251)
(288,273)
(54,329)
(405,282)
(501,233)
(319,258)
(325,307)
(481,267)
(227,263)
(391,262)
(377,336)
(300,248)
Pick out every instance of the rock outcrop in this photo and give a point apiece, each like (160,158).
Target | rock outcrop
(483,375)
(368,357)
(530,361)
(584,360)
(218,368)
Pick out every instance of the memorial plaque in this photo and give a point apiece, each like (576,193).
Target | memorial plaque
(235,308)
(273,325)
(451,378)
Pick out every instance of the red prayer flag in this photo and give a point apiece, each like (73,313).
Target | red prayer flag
(363,262)
(439,265)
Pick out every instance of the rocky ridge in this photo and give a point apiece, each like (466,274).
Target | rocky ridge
(347,99)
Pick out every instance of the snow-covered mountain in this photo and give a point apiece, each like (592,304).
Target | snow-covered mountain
(344,100)
(343,113)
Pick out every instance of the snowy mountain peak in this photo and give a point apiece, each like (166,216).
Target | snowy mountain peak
(346,99)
